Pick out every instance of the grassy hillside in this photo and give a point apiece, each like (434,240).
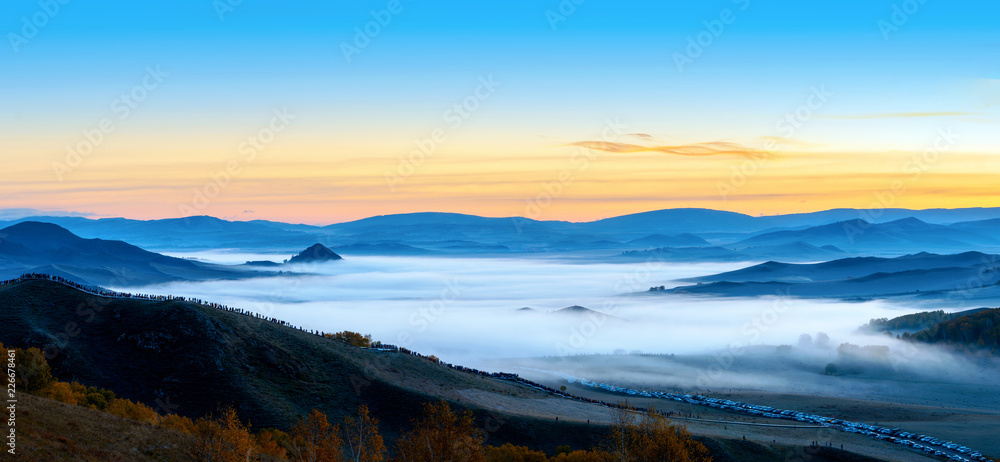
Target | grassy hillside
(187,359)
(52,431)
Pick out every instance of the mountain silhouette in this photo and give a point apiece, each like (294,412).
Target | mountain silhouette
(36,247)
(316,253)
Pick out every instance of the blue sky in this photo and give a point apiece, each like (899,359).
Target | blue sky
(559,83)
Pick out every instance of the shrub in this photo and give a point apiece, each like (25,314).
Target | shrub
(33,371)
(510,453)
(179,423)
(130,410)
(97,401)
(223,439)
(62,392)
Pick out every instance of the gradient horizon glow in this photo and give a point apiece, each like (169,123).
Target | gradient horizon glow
(558,109)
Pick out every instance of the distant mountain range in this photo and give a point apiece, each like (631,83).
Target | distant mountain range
(682,234)
(34,247)
(965,276)
(900,235)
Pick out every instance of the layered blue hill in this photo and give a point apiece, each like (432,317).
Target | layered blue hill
(34,247)
(958,277)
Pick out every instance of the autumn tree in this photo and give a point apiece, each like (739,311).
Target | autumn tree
(223,439)
(649,437)
(99,398)
(314,439)
(362,440)
(33,371)
(657,440)
(580,456)
(619,442)
(441,435)
(135,411)
(510,453)
(353,338)
(270,442)
(60,391)
(179,423)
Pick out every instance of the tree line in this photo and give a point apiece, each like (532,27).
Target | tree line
(980,330)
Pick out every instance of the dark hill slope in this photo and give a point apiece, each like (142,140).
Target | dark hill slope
(47,248)
(968,275)
(190,358)
(852,267)
(979,330)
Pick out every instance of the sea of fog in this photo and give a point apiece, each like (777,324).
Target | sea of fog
(467,310)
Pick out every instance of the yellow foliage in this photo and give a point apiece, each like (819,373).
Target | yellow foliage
(269,443)
(62,392)
(315,440)
(179,423)
(510,453)
(353,338)
(441,435)
(362,440)
(649,437)
(223,439)
(130,410)
(580,456)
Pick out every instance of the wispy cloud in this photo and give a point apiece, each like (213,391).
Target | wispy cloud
(899,115)
(789,141)
(715,148)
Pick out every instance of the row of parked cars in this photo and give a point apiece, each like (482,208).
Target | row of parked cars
(915,441)
(924,443)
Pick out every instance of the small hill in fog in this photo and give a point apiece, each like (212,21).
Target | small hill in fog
(317,253)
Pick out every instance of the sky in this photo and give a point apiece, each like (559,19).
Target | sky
(321,112)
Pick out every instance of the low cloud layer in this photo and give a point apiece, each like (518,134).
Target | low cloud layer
(467,309)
